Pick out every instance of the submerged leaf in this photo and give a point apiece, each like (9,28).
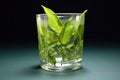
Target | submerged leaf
(66,32)
(69,46)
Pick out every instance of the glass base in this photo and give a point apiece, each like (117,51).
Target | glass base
(60,68)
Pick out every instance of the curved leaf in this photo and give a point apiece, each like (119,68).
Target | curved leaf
(53,20)
(66,32)
(79,24)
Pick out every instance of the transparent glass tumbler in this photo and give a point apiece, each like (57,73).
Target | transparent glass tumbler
(60,41)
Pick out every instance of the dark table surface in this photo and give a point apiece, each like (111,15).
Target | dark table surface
(21,62)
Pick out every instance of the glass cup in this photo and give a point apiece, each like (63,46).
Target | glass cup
(60,41)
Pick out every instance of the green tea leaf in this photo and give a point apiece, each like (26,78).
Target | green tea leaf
(66,32)
(78,24)
(51,60)
(69,46)
(51,37)
(53,20)
(43,54)
(81,43)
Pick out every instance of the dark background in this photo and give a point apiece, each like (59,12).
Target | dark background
(101,24)
(19,58)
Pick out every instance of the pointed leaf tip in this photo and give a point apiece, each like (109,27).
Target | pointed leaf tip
(85,11)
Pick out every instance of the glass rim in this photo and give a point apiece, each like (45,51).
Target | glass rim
(59,14)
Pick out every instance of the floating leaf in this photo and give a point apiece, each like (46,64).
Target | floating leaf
(53,20)
(78,24)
